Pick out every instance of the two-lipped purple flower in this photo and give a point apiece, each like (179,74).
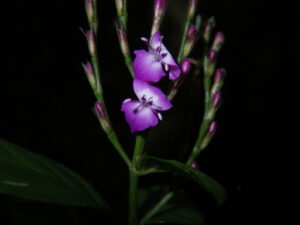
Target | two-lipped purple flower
(152,65)
(149,66)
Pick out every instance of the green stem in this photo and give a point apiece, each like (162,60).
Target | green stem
(115,142)
(133,187)
(98,91)
(133,179)
(167,197)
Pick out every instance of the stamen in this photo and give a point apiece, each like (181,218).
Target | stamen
(159,116)
(127,100)
(144,39)
(166,66)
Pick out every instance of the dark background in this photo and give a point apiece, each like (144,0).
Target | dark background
(46,104)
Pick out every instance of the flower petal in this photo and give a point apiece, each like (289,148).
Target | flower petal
(146,68)
(160,101)
(139,118)
(156,42)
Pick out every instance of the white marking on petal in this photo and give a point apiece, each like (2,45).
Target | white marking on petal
(166,67)
(159,116)
(144,39)
(127,100)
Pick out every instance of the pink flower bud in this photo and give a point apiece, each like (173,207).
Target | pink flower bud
(185,66)
(192,8)
(212,54)
(159,7)
(192,33)
(216,98)
(123,39)
(90,36)
(219,74)
(99,109)
(88,69)
(103,119)
(210,24)
(194,165)
(212,128)
(218,81)
(190,40)
(159,12)
(211,131)
(89,6)
(218,41)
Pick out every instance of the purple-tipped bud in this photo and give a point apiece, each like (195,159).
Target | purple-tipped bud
(216,98)
(99,109)
(123,39)
(88,69)
(218,81)
(120,5)
(210,24)
(210,133)
(194,165)
(218,41)
(212,55)
(212,128)
(100,112)
(185,66)
(192,33)
(159,9)
(90,36)
(190,40)
(89,8)
(192,8)
(219,75)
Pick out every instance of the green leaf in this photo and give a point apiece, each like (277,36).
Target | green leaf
(208,183)
(178,216)
(179,210)
(28,175)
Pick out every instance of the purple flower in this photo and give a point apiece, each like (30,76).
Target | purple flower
(151,66)
(144,113)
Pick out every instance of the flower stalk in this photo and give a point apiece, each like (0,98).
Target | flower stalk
(121,26)
(93,74)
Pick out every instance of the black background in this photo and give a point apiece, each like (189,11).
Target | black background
(46,104)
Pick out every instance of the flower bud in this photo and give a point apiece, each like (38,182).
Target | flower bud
(89,9)
(100,112)
(218,41)
(212,128)
(210,24)
(123,39)
(216,99)
(90,36)
(120,7)
(212,55)
(210,133)
(194,165)
(218,81)
(192,8)
(209,63)
(88,69)
(185,66)
(159,12)
(190,40)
